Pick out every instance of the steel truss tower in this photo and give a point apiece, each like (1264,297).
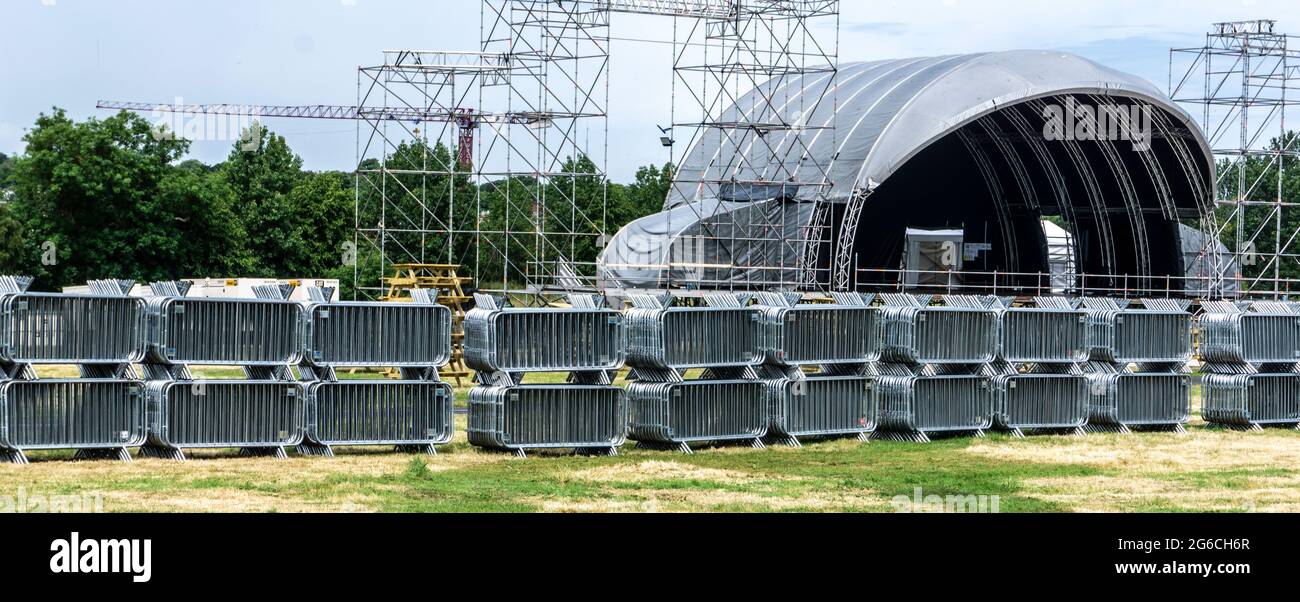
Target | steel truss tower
(517,185)
(1241,84)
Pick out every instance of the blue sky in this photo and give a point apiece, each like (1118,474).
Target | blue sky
(70,53)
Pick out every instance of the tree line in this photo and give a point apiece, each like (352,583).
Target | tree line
(110,198)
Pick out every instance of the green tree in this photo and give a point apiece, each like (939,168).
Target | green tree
(11,241)
(262,180)
(97,199)
(645,196)
(6,168)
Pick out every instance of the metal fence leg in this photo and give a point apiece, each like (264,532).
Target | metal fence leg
(319,450)
(783,440)
(13,456)
(522,454)
(863,437)
(758,444)
(596,452)
(162,453)
(426,450)
(120,454)
(1113,429)
(264,452)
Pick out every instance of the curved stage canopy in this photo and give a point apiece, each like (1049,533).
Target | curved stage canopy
(984,144)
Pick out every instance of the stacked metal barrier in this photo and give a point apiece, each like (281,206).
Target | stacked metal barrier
(934,375)
(588,341)
(837,342)
(726,403)
(102,413)
(1252,365)
(262,414)
(411,414)
(1038,378)
(1138,365)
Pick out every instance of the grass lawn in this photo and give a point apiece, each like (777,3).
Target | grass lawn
(1205,470)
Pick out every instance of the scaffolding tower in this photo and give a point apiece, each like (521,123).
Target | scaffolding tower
(1240,85)
(498,158)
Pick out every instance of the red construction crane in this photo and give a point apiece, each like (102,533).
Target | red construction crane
(466,120)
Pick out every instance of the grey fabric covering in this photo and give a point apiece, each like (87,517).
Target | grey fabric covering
(884,113)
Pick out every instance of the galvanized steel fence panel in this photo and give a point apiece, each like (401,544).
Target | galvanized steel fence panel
(1250,338)
(1140,336)
(1140,399)
(547,417)
(1044,336)
(545,340)
(820,335)
(225,414)
(721,410)
(71,329)
(1042,401)
(396,335)
(71,414)
(934,404)
(820,406)
(939,335)
(686,338)
(1249,399)
(380,413)
(243,332)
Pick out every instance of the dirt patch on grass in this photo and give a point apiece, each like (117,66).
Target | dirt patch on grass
(1149,452)
(1120,494)
(227,500)
(656,470)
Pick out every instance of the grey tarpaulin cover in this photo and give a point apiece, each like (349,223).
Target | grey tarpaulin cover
(884,113)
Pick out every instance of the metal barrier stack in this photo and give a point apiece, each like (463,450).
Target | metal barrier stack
(934,375)
(414,414)
(1252,365)
(262,414)
(504,345)
(726,403)
(102,413)
(836,341)
(1138,367)
(1039,380)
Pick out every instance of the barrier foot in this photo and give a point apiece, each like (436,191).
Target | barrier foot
(596,452)
(863,437)
(786,440)
(521,454)
(901,436)
(424,450)
(264,452)
(1017,434)
(13,456)
(682,448)
(120,454)
(162,453)
(318,450)
(1105,429)
(758,444)
(983,435)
